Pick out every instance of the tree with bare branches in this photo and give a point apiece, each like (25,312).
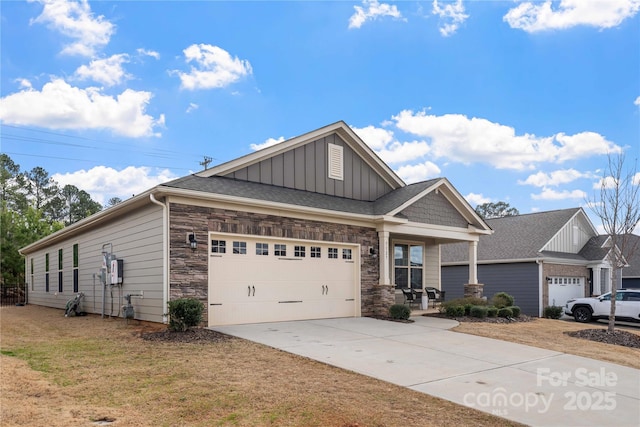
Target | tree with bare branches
(617,205)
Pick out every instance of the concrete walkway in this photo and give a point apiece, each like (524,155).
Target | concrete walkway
(526,384)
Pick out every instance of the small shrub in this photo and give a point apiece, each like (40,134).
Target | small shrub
(471,301)
(552,312)
(502,299)
(492,311)
(516,310)
(399,311)
(505,312)
(455,311)
(467,309)
(479,311)
(184,313)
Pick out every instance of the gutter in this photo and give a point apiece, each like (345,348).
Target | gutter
(165,255)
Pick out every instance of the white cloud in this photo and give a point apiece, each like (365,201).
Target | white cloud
(451,15)
(268,143)
(76,21)
(476,199)
(103,183)
(107,71)
(372,10)
(473,140)
(214,68)
(554,178)
(549,194)
(532,17)
(608,182)
(636,179)
(24,83)
(637,101)
(419,172)
(151,53)
(192,107)
(401,152)
(61,106)
(375,138)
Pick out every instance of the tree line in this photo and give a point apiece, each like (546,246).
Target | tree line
(33,206)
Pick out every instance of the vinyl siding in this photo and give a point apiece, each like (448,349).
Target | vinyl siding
(136,238)
(575,231)
(305,168)
(519,280)
(432,266)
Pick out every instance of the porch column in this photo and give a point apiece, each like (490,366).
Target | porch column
(473,263)
(383,250)
(597,286)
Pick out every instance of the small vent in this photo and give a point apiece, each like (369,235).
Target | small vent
(336,162)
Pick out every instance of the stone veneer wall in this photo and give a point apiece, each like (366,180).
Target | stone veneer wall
(188,271)
(563,270)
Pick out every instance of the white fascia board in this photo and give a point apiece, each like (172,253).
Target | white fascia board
(193,197)
(429,230)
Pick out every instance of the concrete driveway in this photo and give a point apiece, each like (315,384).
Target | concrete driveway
(521,383)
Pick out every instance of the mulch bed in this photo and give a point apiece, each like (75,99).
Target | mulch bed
(521,318)
(194,335)
(617,337)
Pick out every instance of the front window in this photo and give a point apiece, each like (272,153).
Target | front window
(408,265)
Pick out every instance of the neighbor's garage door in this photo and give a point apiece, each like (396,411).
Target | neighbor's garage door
(562,289)
(254,280)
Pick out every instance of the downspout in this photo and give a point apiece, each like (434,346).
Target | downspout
(165,256)
(541,280)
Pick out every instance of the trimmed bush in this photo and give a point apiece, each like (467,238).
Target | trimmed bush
(454,310)
(471,301)
(492,311)
(479,311)
(552,312)
(516,310)
(184,313)
(467,309)
(502,299)
(399,311)
(505,312)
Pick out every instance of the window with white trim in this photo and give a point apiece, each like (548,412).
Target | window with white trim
(262,249)
(316,252)
(280,249)
(332,253)
(346,254)
(218,246)
(299,251)
(240,248)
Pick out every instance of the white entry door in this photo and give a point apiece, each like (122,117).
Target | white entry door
(258,279)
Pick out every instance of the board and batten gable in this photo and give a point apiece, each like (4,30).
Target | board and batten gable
(135,237)
(572,237)
(307,168)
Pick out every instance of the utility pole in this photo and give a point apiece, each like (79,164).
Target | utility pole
(206,161)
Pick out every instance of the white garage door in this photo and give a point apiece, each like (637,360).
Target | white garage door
(562,289)
(256,279)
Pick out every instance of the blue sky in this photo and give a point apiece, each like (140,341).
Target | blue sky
(511,101)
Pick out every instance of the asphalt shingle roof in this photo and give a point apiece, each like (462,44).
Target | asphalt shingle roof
(514,237)
(271,193)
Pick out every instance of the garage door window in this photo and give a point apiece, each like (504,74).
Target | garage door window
(218,246)
(346,254)
(280,250)
(315,252)
(240,248)
(333,253)
(262,249)
(299,251)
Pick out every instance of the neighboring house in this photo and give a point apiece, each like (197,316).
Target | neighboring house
(541,259)
(313,227)
(631,273)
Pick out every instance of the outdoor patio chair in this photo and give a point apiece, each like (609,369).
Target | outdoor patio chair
(435,295)
(412,297)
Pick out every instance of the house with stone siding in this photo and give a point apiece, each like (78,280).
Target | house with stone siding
(542,258)
(317,226)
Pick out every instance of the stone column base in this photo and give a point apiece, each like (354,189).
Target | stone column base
(473,290)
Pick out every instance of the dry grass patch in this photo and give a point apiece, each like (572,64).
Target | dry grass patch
(551,334)
(71,371)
